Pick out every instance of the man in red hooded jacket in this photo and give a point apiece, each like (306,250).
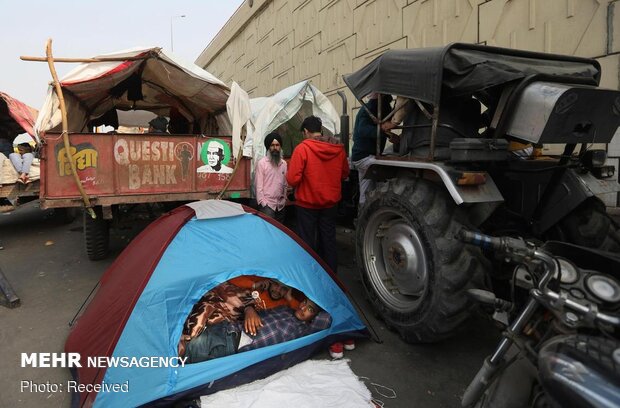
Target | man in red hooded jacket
(316,170)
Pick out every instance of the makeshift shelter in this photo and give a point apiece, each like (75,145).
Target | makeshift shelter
(285,111)
(15,117)
(138,79)
(16,126)
(147,293)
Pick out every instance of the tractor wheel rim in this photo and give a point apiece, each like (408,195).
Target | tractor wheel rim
(395,260)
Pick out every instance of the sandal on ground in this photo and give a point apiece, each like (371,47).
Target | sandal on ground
(6,208)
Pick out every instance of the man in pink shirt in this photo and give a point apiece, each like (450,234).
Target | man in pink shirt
(270,179)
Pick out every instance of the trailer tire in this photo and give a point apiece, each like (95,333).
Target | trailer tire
(96,236)
(414,271)
(588,225)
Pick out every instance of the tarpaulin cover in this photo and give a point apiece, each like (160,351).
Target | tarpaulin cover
(238,108)
(146,295)
(295,102)
(148,79)
(15,117)
(459,69)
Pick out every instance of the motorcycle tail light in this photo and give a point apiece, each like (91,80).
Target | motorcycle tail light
(594,158)
(604,288)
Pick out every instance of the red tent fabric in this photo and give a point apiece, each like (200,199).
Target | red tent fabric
(130,272)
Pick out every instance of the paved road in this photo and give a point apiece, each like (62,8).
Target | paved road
(45,262)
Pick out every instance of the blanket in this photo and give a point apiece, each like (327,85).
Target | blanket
(8,175)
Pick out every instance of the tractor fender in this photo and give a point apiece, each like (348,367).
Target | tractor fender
(571,190)
(488,192)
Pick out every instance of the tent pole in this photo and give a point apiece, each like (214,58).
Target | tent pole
(65,128)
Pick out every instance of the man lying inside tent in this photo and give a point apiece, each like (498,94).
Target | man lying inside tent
(229,300)
(279,325)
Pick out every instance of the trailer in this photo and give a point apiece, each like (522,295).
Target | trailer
(91,157)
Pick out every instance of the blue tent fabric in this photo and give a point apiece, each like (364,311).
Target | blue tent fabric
(203,254)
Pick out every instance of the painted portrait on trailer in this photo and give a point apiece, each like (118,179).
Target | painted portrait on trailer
(215,155)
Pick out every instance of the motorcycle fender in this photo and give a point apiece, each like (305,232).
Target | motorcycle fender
(571,376)
(513,387)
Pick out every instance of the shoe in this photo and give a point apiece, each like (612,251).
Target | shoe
(336,351)
(349,345)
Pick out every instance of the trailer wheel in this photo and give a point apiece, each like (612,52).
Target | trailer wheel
(589,225)
(96,235)
(415,272)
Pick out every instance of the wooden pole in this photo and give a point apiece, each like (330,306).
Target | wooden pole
(65,128)
(100,59)
(239,157)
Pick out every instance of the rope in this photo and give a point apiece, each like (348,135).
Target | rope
(378,388)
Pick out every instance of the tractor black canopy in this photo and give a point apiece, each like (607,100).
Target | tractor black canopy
(458,69)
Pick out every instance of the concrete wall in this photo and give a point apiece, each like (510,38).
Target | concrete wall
(275,43)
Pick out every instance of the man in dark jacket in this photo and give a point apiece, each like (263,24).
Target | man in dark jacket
(365,139)
(316,170)
(158,125)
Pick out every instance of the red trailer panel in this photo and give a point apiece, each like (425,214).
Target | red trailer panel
(170,167)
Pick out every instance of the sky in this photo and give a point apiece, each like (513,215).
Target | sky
(85,28)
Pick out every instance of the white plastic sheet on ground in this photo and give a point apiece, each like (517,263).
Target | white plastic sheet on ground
(313,383)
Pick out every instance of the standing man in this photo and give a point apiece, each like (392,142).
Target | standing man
(365,139)
(316,170)
(270,179)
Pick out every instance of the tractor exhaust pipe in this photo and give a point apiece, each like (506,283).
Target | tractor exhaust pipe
(344,123)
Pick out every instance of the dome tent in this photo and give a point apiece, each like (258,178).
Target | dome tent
(147,293)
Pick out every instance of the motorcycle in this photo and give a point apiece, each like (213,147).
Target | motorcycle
(560,345)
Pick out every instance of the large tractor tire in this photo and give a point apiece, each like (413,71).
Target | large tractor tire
(415,272)
(96,236)
(588,225)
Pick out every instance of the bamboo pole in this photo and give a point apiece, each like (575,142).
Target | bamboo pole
(65,128)
(100,59)
(239,157)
